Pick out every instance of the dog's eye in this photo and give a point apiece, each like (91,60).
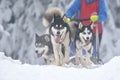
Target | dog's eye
(84,33)
(39,44)
(35,44)
(88,32)
(56,25)
(60,26)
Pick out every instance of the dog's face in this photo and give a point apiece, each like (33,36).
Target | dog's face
(42,45)
(58,29)
(85,33)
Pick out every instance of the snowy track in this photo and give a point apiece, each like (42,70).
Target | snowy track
(14,70)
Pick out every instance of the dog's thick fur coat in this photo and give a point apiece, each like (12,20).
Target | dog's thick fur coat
(83,42)
(43,48)
(60,34)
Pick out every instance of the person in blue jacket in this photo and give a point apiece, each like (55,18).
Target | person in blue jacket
(93,9)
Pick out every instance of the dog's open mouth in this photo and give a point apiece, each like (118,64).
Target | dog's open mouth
(87,41)
(57,38)
(40,54)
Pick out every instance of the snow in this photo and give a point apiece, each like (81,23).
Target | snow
(14,70)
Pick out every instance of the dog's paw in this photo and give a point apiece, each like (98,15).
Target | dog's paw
(77,62)
(85,62)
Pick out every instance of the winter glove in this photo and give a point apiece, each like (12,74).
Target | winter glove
(94,18)
(68,20)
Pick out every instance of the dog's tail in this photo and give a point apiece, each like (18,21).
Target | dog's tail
(49,15)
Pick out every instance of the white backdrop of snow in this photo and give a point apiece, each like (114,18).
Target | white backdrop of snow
(14,70)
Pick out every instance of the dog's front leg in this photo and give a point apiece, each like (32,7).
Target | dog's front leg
(78,52)
(67,53)
(56,55)
(66,43)
(57,59)
(85,59)
(61,58)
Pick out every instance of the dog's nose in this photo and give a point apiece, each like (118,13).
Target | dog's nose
(87,38)
(58,32)
(36,51)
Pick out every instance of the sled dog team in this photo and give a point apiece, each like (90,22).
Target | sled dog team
(54,46)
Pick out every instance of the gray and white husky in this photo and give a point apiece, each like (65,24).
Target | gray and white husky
(59,33)
(83,42)
(43,48)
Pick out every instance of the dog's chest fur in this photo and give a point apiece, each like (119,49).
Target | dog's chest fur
(80,45)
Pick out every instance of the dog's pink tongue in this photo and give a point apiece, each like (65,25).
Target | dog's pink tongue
(88,41)
(39,54)
(57,39)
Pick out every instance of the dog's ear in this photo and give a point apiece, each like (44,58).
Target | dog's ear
(47,38)
(36,35)
(80,25)
(54,17)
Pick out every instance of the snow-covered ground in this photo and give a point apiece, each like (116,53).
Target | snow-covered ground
(14,70)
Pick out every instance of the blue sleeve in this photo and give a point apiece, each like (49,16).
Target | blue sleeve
(74,8)
(102,14)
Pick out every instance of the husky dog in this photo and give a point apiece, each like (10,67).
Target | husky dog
(43,48)
(83,42)
(60,35)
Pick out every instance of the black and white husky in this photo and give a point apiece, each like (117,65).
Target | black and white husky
(43,48)
(83,42)
(60,35)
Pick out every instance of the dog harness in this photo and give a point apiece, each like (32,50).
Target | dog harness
(88,9)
